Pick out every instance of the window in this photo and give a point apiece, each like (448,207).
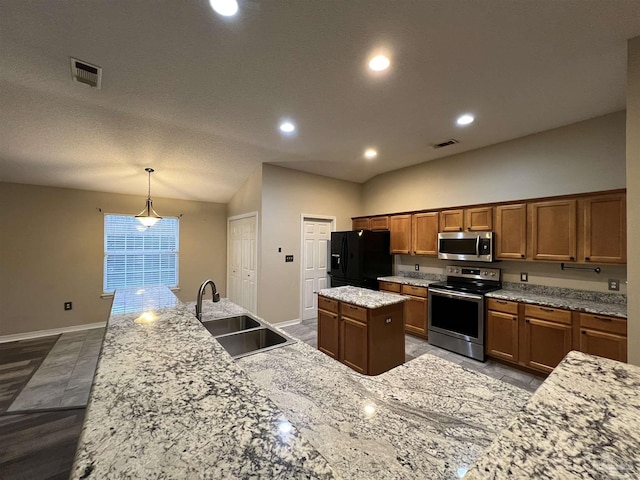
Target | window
(137,256)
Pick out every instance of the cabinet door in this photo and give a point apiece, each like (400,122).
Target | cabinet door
(451,220)
(603,344)
(553,230)
(502,335)
(353,344)
(379,223)
(415,316)
(478,219)
(328,333)
(425,233)
(359,224)
(400,226)
(604,233)
(511,231)
(546,343)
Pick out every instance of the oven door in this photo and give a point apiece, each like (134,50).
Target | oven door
(457,314)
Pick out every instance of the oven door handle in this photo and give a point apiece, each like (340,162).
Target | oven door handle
(445,293)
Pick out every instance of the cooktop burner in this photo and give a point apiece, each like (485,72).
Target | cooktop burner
(480,288)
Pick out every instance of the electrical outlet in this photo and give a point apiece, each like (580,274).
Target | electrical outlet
(614,284)
(279,249)
(288,258)
(68,305)
(417,267)
(524,277)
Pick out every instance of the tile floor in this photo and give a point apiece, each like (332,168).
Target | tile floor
(414,347)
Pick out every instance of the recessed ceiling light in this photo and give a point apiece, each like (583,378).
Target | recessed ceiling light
(465,119)
(287,127)
(379,63)
(370,153)
(226,8)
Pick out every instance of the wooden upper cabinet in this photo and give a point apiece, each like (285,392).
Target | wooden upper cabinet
(379,223)
(400,227)
(425,233)
(469,219)
(359,224)
(511,231)
(603,233)
(452,220)
(553,230)
(478,219)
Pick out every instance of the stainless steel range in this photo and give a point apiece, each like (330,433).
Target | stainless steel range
(456,309)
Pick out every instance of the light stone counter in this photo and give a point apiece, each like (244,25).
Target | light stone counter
(416,282)
(168,402)
(361,297)
(583,422)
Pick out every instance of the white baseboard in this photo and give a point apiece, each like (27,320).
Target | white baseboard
(288,323)
(47,333)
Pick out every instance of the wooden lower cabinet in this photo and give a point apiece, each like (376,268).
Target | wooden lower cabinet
(415,310)
(603,336)
(370,341)
(502,330)
(546,343)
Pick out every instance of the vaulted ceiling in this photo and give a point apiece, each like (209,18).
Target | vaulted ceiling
(199,97)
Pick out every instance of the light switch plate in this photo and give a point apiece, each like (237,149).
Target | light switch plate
(614,284)
(417,267)
(68,305)
(524,277)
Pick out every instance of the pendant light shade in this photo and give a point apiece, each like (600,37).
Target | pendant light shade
(148,217)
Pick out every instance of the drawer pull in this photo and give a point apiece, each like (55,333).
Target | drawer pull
(387,320)
(521,256)
(352,307)
(604,319)
(547,309)
(584,332)
(526,320)
(503,302)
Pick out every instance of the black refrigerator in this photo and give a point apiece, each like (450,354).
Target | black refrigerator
(359,257)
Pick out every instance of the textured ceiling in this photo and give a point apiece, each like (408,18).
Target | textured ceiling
(199,97)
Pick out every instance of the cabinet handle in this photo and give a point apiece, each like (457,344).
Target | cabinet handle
(547,309)
(460,229)
(503,302)
(604,319)
(584,332)
(352,307)
(588,259)
(526,320)
(571,258)
(521,256)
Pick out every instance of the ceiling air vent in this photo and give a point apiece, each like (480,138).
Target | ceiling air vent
(86,73)
(446,143)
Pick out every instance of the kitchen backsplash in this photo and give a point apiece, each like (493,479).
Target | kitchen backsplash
(539,274)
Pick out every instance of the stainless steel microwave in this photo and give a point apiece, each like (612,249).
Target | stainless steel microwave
(467,246)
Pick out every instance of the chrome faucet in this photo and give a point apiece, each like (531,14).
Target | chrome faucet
(214,293)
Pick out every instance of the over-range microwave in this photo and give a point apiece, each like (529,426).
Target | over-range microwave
(467,246)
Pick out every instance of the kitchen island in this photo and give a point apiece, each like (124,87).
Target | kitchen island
(169,402)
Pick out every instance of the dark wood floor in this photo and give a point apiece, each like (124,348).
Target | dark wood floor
(39,445)
(18,362)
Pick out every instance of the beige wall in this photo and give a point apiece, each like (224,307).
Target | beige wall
(249,197)
(286,195)
(582,157)
(51,251)
(633,198)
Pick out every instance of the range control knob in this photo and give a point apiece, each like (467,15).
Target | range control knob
(485,272)
(493,274)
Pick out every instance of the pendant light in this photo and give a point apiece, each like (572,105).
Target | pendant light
(148,217)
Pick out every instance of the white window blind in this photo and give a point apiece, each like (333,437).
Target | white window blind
(137,256)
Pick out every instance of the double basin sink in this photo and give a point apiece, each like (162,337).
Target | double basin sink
(243,335)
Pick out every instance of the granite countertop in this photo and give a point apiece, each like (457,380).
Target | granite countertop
(167,401)
(583,422)
(361,297)
(414,281)
(568,302)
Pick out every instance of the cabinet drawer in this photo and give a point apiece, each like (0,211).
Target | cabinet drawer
(603,323)
(502,306)
(353,311)
(415,291)
(548,313)
(389,286)
(328,304)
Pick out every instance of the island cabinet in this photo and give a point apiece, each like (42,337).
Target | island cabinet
(469,219)
(502,329)
(547,337)
(415,308)
(552,230)
(368,340)
(511,232)
(603,336)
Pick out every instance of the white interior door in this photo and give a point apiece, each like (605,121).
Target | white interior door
(242,259)
(316,237)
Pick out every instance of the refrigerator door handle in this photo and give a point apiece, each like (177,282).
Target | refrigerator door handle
(344,255)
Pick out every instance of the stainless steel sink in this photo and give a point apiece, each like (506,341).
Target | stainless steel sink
(248,342)
(222,326)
